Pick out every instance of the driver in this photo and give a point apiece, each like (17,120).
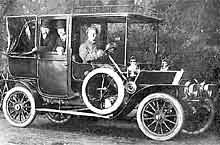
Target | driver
(88,50)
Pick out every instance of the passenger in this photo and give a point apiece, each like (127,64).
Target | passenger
(61,40)
(48,38)
(88,51)
(164,65)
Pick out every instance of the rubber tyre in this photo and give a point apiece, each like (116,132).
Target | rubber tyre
(31,113)
(179,114)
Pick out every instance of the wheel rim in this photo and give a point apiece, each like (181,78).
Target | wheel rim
(58,118)
(18,107)
(159,117)
(199,118)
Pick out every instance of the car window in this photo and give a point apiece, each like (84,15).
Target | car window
(116,33)
(107,32)
(141,42)
(22,33)
(52,36)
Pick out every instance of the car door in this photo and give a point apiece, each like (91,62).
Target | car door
(52,67)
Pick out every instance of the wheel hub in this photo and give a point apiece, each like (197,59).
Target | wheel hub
(18,107)
(160,116)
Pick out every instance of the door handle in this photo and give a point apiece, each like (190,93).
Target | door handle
(65,64)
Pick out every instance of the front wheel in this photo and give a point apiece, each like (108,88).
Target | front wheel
(160,116)
(19,107)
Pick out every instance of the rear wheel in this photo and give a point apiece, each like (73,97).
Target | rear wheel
(103,91)
(19,107)
(58,118)
(160,116)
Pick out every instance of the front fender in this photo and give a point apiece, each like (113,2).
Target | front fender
(145,90)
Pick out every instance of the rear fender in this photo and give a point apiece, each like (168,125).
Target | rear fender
(25,84)
(31,87)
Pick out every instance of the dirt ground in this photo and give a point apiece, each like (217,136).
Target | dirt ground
(80,131)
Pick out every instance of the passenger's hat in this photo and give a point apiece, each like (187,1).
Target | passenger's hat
(60,24)
(46,23)
(92,28)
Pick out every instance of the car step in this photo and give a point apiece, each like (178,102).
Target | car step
(74,112)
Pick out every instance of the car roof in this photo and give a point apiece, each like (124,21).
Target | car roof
(120,17)
(106,17)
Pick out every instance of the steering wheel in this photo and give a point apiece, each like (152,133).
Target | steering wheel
(110,47)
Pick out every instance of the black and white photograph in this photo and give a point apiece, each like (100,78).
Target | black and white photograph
(109,72)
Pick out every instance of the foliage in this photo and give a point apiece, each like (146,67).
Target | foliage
(190,35)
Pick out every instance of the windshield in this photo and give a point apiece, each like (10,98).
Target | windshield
(141,43)
(21,34)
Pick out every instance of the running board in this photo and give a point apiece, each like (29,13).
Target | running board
(72,112)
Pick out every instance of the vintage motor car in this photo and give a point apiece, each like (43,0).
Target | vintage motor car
(122,80)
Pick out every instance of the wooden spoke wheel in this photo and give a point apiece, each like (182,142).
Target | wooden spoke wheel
(199,117)
(160,116)
(58,118)
(19,107)
(103,91)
